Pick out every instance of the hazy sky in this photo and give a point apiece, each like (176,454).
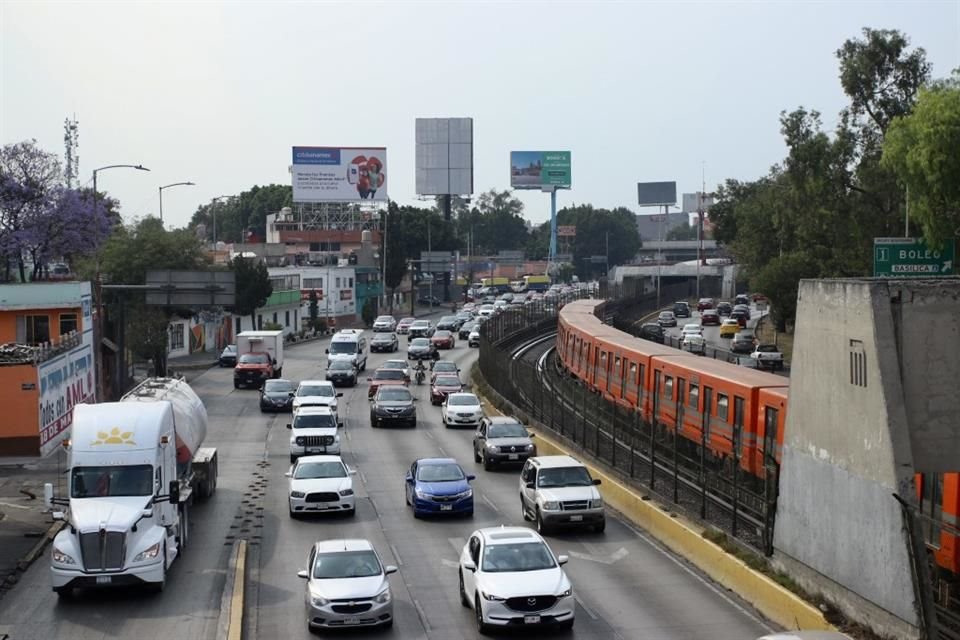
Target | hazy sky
(218,93)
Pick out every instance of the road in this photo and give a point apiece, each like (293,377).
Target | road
(627,586)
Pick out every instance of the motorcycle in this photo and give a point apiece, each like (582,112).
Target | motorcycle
(420,376)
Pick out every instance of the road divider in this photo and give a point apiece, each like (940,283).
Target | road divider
(230,624)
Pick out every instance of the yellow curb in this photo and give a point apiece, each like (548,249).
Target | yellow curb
(235,630)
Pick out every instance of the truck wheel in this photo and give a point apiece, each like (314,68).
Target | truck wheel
(63,592)
(236,385)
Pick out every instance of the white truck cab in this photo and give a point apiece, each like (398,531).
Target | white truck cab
(349,345)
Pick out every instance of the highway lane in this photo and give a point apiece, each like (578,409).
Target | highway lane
(712,332)
(627,586)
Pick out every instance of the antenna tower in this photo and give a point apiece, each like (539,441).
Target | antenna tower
(71,134)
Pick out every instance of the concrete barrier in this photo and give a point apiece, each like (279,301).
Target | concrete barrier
(230,624)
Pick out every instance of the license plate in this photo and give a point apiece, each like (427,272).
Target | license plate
(104,579)
(514,456)
(446,507)
(576,518)
(531,619)
(351,621)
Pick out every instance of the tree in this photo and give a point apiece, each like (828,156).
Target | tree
(368,312)
(497,222)
(779,279)
(682,232)
(253,286)
(396,249)
(600,232)
(314,311)
(244,212)
(922,150)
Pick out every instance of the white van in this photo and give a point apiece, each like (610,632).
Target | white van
(349,345)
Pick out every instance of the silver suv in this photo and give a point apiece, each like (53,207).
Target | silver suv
(558,491)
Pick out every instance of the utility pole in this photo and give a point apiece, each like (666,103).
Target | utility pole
(429,249)
(660,250)
(386,218)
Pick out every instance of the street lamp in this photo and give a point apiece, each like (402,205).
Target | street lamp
(167,186)
(98,325)
(213,213)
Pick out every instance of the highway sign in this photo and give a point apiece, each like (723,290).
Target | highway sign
(911,258)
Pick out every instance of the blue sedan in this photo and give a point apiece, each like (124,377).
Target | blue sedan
(438,486)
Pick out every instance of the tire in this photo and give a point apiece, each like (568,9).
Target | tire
(292,513)
(523,510)
(542,526)
(63,592)
(600,527)
(482,627)
(351,512)
(487,464)
(185,523)
(476,456)
(158,587)
(566,625)
(468,514)
(236,385)
(388,624)
(463,594)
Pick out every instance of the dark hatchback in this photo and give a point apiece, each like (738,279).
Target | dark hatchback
(341,373)
(724,308)
(393,405)
(681,309)
(652,332)
(277,395)
(384,342)
(228,357)
(743,342)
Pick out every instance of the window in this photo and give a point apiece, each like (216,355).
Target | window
(723,405)
(313,283)
(351,283)
(286,320)
(771,420)
(858,364)
(694,395)
(668,386)
(931,506)
(68,323)
(338,282)
(738,415)
(176,336)
(238,323)
(274,317)
(33,329)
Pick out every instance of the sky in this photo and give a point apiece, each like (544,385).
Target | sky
(217,93)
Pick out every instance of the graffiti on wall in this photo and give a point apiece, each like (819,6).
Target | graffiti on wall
(197,338)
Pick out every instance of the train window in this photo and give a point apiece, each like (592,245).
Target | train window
(771,422)
(668,387)
(694,395)
(617,363)
(737,420)
(932,507)
(633,372)
(707,399)
(722,406)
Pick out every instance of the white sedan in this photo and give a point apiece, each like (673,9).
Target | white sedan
(385,323)
(461,410)
(510,577)
(691,329)
(320,483)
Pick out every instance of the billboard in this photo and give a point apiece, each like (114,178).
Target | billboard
(65,381)
(444,156)
(567,230)
(692,202)
(538,169)
(651,194)
(339,174)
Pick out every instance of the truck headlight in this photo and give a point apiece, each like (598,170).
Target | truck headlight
(383,597)
(551,505)
(297,494)
(62,558)
(149,553)
(596,504)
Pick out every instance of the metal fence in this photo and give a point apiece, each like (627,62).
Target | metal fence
(616,436)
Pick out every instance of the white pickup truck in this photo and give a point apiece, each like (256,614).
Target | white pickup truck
(768,356)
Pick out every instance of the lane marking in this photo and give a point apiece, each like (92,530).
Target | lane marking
(583,605)
(396,555)
(618,555)
(423,616)
(442,452)
(450,564)
(490,502)
(363,478)
(235,630)
(427,433)
(458,544)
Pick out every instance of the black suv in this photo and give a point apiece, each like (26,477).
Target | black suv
(393,404)
(448,323)
(681,309)
(384,342)
(651,331)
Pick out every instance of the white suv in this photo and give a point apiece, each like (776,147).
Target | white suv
(316,393)
(314,431)
(558,491)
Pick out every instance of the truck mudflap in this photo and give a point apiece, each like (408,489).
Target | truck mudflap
(205,469)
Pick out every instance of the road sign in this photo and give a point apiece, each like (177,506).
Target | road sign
(567,230)
(911,258)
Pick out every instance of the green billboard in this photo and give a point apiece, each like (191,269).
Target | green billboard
(538,169)
(911,258)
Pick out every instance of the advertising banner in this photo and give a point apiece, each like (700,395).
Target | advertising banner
(537,169)
(339,174)
(567,231)
(65,381)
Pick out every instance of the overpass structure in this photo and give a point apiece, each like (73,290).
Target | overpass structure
(715,280)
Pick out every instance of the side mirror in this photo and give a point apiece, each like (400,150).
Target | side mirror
(408,477)
(58,515)
(146,513)
(289,426)
(471,477)
(292,394)
(352,472)
(562,560)
(469,565)
(531,435)
(531,485)
(340,394)
(174,492)
(303,574)
(48,495)
(387,570)
(288,474)
(327,351)
(596,481)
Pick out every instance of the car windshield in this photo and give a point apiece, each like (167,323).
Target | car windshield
(97,482)
(448,319)
(383,337)
(254,358)
(394,394)
(315,390)
(462,401)
(230,348)
(315,421)
(439,473)
(395,364)
(511,430)
(517,556)
(420,324)
(666,314)
(343,347)
(564,477)
(407,321)
(448,381)
(386,319)
(340,365)
(442,334)
(346,564)
(444,365)
(419,342)
(388,374)
(767,348)
(314,470)
(278,386)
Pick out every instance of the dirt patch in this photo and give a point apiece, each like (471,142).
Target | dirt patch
(767,334)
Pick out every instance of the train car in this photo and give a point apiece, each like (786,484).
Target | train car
(939,498)
(713,404)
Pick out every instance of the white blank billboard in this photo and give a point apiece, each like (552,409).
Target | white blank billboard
(444,156)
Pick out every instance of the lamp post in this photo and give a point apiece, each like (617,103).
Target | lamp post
(213,213)
(98,292)
(167,186)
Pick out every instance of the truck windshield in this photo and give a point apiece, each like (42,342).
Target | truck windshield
(343,347)
(320,421)
(97,482)
(253,358)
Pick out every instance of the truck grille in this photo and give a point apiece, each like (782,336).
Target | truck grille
(103,550)
(575,505)
(323,496)
(531,603)
(317,441)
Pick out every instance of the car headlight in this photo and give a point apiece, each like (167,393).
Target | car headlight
(298,441)
(423,495)
(149,553)
(491,597)
(466,494)
(409,410)
(297,494)
(596,504)
(491,446)
(319,601)
(62,558)
(551,505)
(566,594)
(346,492)
(383,597)
(530,447)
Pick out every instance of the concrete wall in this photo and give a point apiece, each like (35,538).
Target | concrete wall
(848,442)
